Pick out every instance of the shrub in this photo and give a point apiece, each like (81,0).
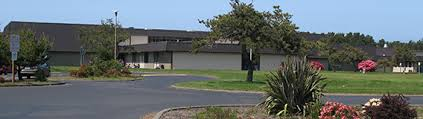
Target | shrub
(294,84)
(82,72)
(391,107)
(73,73)
(110,68)
(367,65)
(2,80)
(335,110)
(40,75)
(112,73)
(317,65)
(217,113)
(313,109)
(370,103)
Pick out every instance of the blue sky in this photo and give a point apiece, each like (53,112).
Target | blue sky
(388,19)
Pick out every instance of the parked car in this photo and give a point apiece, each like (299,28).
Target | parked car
(30,71)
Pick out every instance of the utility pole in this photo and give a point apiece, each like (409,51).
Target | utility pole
(116,16)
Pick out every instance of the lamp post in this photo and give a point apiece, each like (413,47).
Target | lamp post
(115,51)
(401,67)
(419,67)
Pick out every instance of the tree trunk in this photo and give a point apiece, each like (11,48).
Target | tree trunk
(384,69)
(333,68)
(19,73)
(250,71)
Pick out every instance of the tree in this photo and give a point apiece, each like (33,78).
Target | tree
(403,54)
(333,44)
(4,51)
(385,62)
(252,30)
(381,43)
(354,39)
(33,49)
(101,39)
(347,55)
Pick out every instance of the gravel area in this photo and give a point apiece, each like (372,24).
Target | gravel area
(242,113)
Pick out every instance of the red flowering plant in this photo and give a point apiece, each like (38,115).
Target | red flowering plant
(335,110)
(367,65)
(317,65)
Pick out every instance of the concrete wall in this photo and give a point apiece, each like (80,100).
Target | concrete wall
(139,40)
(187,60)
(270,62)
(135,40)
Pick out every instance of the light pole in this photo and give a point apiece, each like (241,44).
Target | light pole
(116,15)
(419,67)
(401,68)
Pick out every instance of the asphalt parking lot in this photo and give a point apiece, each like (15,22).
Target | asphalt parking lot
(120,99)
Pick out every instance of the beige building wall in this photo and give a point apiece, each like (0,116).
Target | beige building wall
(187,60)
(270,62)
(136,40)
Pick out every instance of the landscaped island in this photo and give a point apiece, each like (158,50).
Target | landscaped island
(337,82)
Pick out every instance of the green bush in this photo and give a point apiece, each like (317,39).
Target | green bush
(295,84)
(217,113)
(82,72)
(2,80)
(109,68)
(391,107)
(40,75)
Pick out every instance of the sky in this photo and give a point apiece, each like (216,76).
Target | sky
(387,19)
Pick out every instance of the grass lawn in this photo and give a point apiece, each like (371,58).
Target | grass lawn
(337,82)
(63,68)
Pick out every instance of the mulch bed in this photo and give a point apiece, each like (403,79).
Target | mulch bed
(242,113)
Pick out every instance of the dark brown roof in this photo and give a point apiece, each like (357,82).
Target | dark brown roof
(184,47)
(65,36)
(169,33)
(187,47)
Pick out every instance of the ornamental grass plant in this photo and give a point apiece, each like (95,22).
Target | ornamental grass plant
(292,88)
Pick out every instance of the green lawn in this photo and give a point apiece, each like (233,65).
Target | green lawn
(63,68)
(337,82)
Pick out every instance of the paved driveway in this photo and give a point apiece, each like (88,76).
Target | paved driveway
(119,100)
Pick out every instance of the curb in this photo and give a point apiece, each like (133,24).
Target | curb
(257,92)
(160,114)
(226,91)
(34,85)
(146,75)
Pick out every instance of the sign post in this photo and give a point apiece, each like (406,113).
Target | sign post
(14,49)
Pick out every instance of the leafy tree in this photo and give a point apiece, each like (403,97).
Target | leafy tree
(403,54)
(381,43)
(4,51)
(337,47)
(354,39)
(347,55)
(385,62)
(33,49)
(416,45)
(101,39)
(252,30)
